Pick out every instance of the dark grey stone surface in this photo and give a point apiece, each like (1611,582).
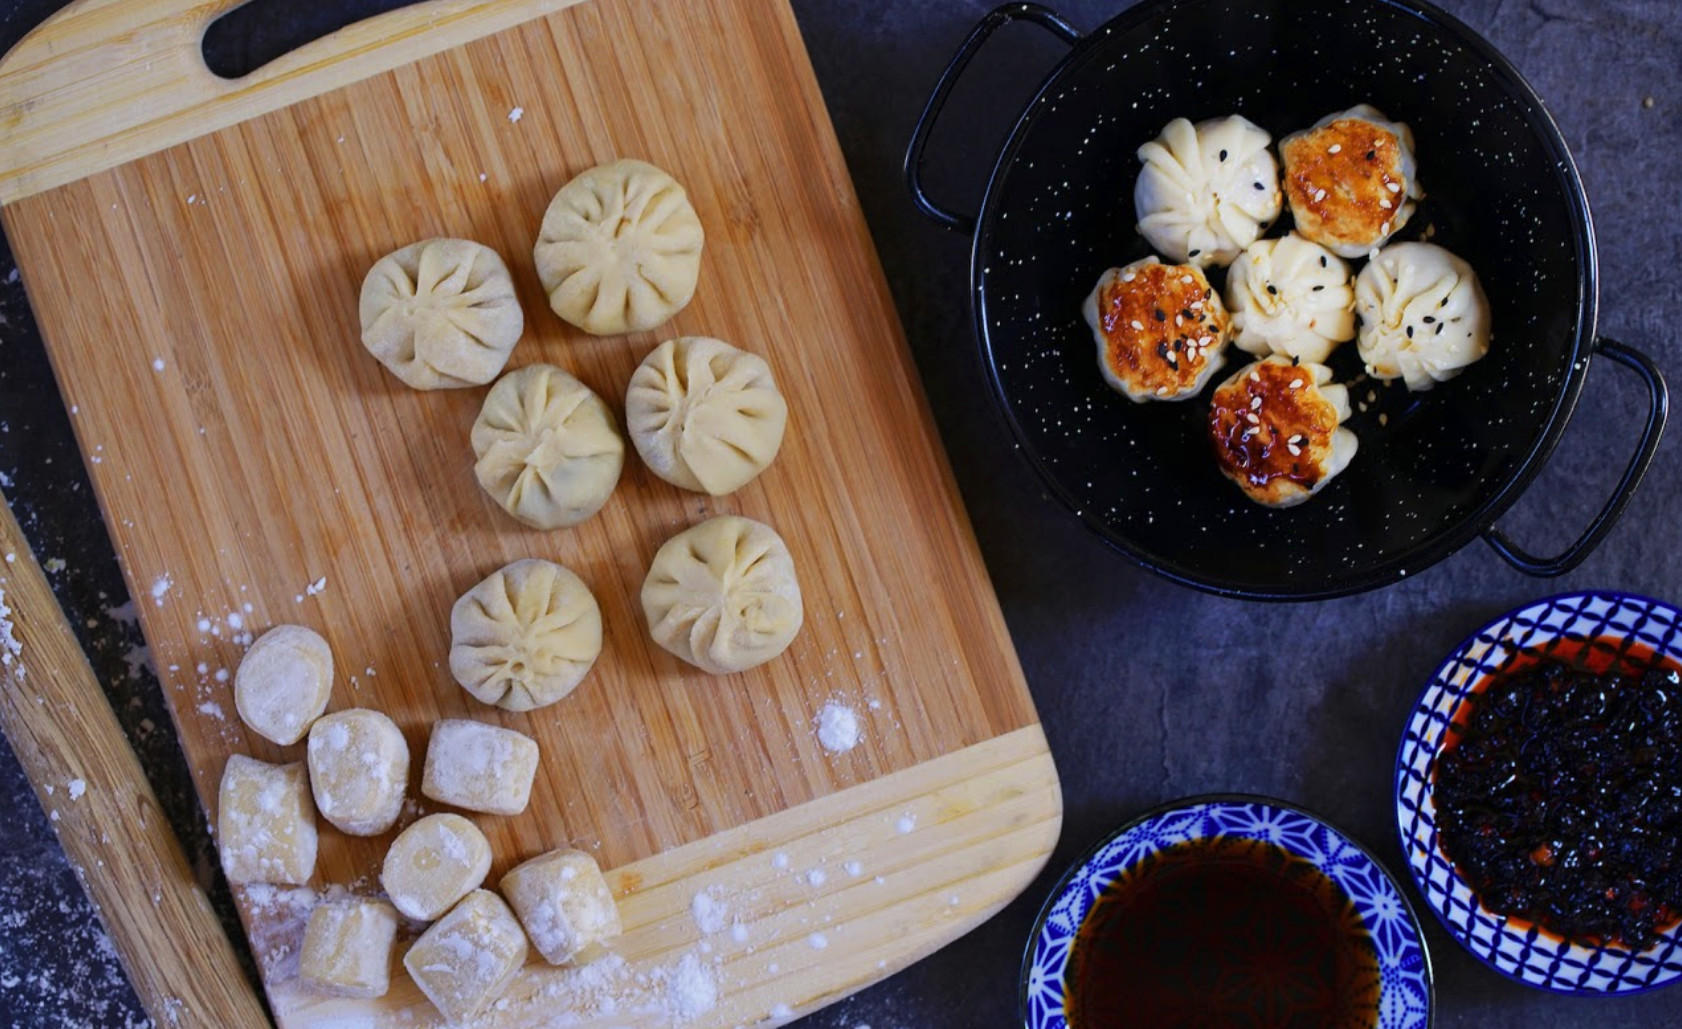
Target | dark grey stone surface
(1148,692)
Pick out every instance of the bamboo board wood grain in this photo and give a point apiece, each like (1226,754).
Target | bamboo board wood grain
(193,251)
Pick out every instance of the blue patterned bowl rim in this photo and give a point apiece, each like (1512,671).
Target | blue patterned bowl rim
(1406,990)
(1523,954)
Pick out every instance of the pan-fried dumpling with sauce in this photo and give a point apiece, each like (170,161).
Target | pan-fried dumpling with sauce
(1290,297)
(620,249)
(441,313)
(1424,316)
(1208,190)
(1277,427)
(1351,179)
(1160,328)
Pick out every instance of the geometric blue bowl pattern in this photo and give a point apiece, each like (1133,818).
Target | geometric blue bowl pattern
(1405,973)
(1521,951)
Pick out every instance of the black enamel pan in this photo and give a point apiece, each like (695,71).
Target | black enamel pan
(1435,470)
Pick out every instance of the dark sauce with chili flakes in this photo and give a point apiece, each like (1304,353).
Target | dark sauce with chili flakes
(1560,800)
(1223,932)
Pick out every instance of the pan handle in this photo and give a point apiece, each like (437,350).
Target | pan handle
(1040,15)
(1658,410)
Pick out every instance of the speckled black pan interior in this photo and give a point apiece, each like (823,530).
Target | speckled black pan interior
(1434,468)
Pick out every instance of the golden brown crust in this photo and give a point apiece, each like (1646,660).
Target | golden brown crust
(1345,182)
(1161,325)
(1272,431)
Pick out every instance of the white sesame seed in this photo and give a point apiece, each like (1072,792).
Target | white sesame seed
(1296,383)
(1137,324)
(1252,419)
(1249,434)
(1319,195)
(1384,204)
(1162,391)
(1129,277)
(1255,403)
(1187,279)
(1384,229)
(1394,187)
(1384,419)
(1178,321)
(1254,377)
(1335,148)
(1295,450)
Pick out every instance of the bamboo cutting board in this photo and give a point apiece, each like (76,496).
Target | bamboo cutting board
(193,249)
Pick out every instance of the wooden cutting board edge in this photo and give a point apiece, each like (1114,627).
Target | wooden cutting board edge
(68,111)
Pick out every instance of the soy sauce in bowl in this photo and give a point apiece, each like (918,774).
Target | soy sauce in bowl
(1223,931)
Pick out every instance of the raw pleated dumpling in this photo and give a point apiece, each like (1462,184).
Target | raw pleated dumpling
(723,595)
(525,636)
(620,249)
(441,313)
(1424,316)
(704,415)
(546,447)
(1290,297)
(1208,190)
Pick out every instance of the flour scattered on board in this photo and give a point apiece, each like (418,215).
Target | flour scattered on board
(11,649)
(838,727)
(906,825)
(157,364)
(160,588)
(817,941)
(516,114)
(76,788)
(693,990)
(816,877)
(710,914)
(779,860)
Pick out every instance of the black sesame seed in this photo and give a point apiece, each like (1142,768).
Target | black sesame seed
(1193,253)
(1260,186)
(1372,155)
(1322,260)
(1318,288)
(1440,327)
(1223,155)
(1160,316)
(1272,290)
(1410,332)
(1430,319)
(1185,312)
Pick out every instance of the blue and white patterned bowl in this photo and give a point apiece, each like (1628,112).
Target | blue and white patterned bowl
(1404,967)
(1520,950)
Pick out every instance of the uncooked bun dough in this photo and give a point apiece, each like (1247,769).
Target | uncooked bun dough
(283,683)
(441,313)
(359,768)
(704,415)
(525,636)
(546,447)
(620,249)
(434,863)
(723,595)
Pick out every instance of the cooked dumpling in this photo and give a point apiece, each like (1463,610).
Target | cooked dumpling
(620,249)
(546,447)
(1351,179)
(526,636)
(704,415)
(1161,330)
(1423,314)
(723,595)
(1208,190)
(441,313)
(1278,430)
(1290,297)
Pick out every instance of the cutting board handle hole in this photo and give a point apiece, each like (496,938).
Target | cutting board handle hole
(258,31)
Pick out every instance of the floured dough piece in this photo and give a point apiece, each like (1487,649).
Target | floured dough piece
(441,313)
(526,636)
(704,415)
(564,903)
(359,767)
(434,863)
(546,447)
(283,683)
(723,595)
(479,767)
(347,948)
(620,249)
(265,822)
(467,960)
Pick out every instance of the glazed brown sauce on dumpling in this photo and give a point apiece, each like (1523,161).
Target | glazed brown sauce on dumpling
(1161,324)
(1287,435)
